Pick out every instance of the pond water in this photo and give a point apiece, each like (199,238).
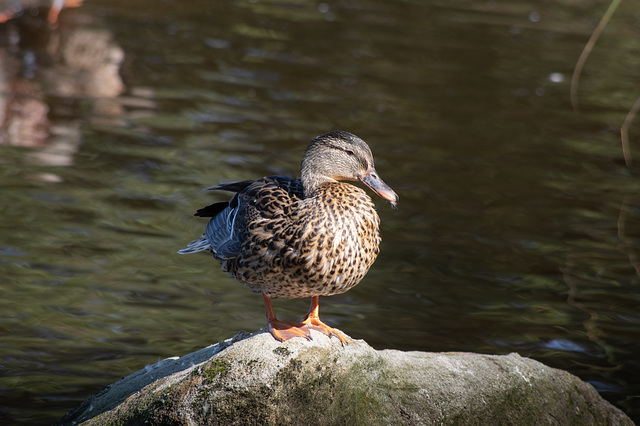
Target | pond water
(518,227)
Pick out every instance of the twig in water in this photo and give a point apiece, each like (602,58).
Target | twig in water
(575,78)
(624,132)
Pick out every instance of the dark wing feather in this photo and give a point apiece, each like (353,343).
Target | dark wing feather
(231,186)
(223,234)
(292,186)
(212,210)
(227,229)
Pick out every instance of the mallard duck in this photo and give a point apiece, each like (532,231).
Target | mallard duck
(305,237)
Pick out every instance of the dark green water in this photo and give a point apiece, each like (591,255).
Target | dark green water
(518,228)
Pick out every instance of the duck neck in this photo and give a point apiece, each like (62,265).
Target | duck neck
(311,183)
(313,170)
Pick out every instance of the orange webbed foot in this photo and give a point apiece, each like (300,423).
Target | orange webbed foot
(282,331)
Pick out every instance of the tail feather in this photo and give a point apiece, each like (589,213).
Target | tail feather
(197,245)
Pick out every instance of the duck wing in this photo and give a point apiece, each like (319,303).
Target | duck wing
(220,228)
(228,227)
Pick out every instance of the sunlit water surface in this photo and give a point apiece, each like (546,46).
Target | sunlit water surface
(518,226)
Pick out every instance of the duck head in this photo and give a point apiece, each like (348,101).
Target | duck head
(340,155)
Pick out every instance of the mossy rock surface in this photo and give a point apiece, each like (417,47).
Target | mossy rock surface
(253,379)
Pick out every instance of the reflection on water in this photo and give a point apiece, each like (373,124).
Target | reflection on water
(15,9)
(517,228)
(69,63)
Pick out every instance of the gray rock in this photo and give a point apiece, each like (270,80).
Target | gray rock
(253,379)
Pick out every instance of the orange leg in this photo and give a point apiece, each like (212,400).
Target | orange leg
(281,330)
(312,320)
(56,7)
(54,12)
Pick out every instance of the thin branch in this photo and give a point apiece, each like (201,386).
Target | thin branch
(575,79)
(624,132)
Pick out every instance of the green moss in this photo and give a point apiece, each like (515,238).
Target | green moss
(282,351)
(233,407)
(370,404)
(332,397)
(219,368)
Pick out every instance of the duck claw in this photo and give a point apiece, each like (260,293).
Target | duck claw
(314,323)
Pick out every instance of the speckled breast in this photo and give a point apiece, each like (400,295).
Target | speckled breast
(324,245)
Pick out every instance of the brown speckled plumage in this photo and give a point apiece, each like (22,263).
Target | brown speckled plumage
(294,247)
(307,237)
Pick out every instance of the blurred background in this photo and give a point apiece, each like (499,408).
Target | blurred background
(518,227)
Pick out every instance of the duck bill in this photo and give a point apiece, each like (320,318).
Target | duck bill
(373,181)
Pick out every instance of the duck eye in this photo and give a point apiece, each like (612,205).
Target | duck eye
(349,152)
